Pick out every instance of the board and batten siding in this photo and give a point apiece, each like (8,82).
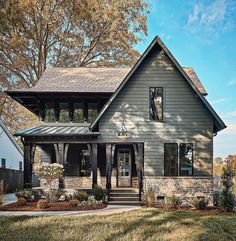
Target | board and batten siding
(186,119)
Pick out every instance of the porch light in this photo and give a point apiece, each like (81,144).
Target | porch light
(123,133)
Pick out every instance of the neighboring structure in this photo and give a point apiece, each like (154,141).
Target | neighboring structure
(11,155)
(119,127)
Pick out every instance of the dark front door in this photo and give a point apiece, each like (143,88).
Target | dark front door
(124,167)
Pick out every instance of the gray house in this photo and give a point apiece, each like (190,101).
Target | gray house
(124,128)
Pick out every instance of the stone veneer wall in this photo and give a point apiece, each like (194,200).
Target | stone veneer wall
(183,187)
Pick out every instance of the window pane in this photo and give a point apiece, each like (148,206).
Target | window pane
(64,112)
(3,163)
(186,159)
(85,164)
(156,103)
(171,159)
(20,166)
(78,113)
(92,112)
(49,113)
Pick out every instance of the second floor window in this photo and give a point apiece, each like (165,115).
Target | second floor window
(78,113)
(156,103)
(50,112)
(3,163)
(92,112)
(64,113)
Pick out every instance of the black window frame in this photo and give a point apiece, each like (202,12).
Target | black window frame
(162,104)
(3,162)
(186,143)
(60,109)
(177,159)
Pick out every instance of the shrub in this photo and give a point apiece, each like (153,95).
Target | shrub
(21,202)
(216,198)
(56,194)
(25,193)
(80,195)
(150,197)
(173,201)
(200,203)
(227,193)
(90,203)
(74,203)
(98,193)
(42,204)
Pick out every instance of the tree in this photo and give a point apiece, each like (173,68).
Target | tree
(50,172)
(218,165)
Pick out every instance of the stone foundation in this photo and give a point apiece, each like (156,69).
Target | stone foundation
(183,187)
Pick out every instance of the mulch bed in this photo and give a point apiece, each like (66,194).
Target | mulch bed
(56,206)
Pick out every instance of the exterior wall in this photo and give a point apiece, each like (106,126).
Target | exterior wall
(185,118)
(10,152)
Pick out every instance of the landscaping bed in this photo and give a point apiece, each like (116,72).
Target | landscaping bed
(55,206)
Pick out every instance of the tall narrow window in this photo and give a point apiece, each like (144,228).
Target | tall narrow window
(78,113)
(92,112)
(3,163)
(186,159)
(50,113)
(64,113)
(85,163)
(171,159)
(20,165)
(156,103)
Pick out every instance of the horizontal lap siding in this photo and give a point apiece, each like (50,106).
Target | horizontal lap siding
(186,119)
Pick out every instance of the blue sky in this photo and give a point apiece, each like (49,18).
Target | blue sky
(202,34)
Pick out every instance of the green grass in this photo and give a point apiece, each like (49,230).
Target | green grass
(142,224)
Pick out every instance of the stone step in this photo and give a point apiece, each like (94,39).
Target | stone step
(124,194)
(126,190)
(126,203)
(118,199)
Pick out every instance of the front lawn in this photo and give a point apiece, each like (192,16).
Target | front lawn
(142,224)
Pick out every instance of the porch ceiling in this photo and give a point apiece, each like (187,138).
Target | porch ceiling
(54,131)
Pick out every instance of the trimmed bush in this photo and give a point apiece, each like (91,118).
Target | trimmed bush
(150,197)
(25,193)
(98,193)
(80,195)
(173,201)
(21,202)
(200,203)
(42,204)
(74,203)
(216,198)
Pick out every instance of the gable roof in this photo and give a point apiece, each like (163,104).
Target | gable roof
(84,80)
(218,123)
(11,137)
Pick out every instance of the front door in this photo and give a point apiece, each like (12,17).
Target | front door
(124,167)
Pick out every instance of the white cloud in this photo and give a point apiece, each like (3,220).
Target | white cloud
(231,83)
(166,36)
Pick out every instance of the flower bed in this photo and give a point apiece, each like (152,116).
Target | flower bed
(55,206)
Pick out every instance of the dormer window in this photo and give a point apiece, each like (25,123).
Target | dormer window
(92,112)
(78,113)
(156,103)
(50,112)
(64,113)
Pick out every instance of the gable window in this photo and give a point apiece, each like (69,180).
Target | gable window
(64,113)
(3,163)
(20,166)
(178,159)
(49,112)
(78,113)
(85,164)
(171,159)
(92,112)
(156,103)
(186,159)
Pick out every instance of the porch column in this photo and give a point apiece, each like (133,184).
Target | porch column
(94,164)
(27,166)
(140,168)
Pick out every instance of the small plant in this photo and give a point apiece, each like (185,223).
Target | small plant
(90,204)
(56,194)
(173,201)
(150,197)
(25,193)
(80,195)
(74,203)
(98,193)
(42,204)
(228,201)
(21,202)
(216,198)
(200,203)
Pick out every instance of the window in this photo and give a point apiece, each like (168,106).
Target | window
(78,113)
(49,113)
(186,159)
(156,103)
(92,112)
(178,165)
(3,163)
(171,159)
(85,164)
(20,166)
(64,113)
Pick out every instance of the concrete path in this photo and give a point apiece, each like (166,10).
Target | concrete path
(109,210)
(9,198)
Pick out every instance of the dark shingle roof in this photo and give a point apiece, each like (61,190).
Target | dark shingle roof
(103,79)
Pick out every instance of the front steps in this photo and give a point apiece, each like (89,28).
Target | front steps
(124,196)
